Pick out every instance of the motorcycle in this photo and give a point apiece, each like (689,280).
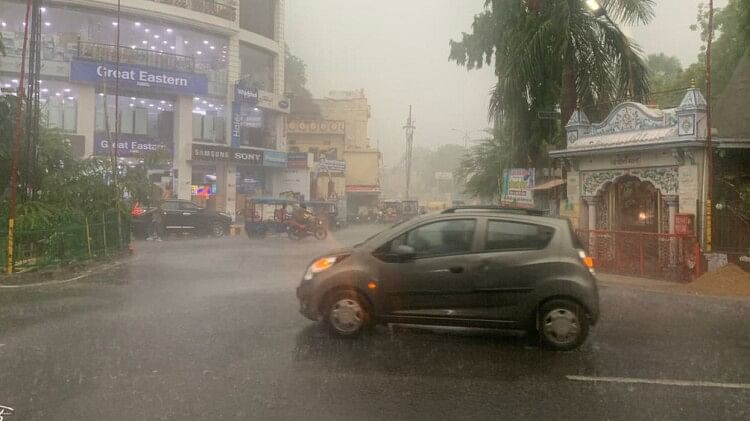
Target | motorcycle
(315,228)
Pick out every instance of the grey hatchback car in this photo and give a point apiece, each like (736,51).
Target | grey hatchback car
(467,266)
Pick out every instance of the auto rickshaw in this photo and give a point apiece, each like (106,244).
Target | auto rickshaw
(326,212)
(266,215)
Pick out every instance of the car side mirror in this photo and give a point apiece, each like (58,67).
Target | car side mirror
(404,252)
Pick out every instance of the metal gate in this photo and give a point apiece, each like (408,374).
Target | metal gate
(644,254)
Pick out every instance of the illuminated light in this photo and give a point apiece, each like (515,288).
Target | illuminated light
(163,102)
(196,99)
(205,42)
(212,47)
(171,47)
(147,30)
(322,264)
(164,42)
(137,24)
(159,108)
(114,23)
(57,93)
(131,105)
(143,102)
(132,98)
(186,42)
(45,90)
(372,285)
(210,105)
(156,36)
(47,23)
(71,98)
(66,90)
(199,52)
(14,81)
(133,47)
(204,102)
(587,260)
(101,94)
(169,30)
(144,42)
(42,9)
(642,216)
(153,47)
(593,5)
(3,24)
(150,105)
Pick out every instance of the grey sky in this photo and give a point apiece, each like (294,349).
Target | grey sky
(397,51)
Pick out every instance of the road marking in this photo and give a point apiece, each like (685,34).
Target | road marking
(663,382)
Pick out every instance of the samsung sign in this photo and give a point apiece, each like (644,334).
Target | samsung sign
(132,76)
(227,154)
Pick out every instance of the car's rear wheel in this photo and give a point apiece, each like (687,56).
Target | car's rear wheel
(347,314)
(563,324)
(218,229)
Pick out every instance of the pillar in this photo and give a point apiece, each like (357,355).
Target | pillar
(672,203)
(86,116)
(183,141)
(226,179)
(591,202)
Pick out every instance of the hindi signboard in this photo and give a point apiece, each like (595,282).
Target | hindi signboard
(517,188)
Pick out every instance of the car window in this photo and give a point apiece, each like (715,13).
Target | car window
(188,206)
(170,206)
(505,235)
(439,238)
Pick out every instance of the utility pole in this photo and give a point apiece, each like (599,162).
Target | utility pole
(709,135)
(15,148)
(409,143)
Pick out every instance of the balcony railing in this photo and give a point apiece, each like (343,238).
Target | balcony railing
(138,56)
(210,7)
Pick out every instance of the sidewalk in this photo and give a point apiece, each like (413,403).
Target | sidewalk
(655,285)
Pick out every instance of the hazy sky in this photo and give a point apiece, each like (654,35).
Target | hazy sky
(397,51)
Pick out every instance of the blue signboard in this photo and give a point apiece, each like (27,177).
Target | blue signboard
(236,123)
(274,159)
(134,76)
(128,145)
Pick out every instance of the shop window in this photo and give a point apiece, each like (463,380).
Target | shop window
(208,127)
(256,67)
(258,16)
(61,114)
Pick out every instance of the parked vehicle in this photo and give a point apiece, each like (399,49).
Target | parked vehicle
(466,266)
(409,209)
(267,215)
(391,211)
(181,216)
(314,227)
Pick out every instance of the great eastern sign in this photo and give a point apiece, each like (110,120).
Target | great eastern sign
(132,76)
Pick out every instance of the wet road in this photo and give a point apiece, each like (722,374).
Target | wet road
(209,329)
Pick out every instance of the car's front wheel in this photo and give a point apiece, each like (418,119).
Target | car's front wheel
(347,313)
(218,229)
(563,324)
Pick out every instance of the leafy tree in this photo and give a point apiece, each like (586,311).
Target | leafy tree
(295,77)
(549,54)
(481,169)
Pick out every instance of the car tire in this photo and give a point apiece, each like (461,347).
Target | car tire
(347,314)
(562,325)
(218,230)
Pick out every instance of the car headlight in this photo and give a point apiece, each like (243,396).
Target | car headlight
(320,265)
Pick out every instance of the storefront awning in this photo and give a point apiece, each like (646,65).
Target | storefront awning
(551,184)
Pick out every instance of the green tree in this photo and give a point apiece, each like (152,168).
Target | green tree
(667,79)
(481,169)
(549,54)
(295,78)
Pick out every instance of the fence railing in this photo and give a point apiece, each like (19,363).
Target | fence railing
(94,237)
(644,254)
(210,7)
(139,56)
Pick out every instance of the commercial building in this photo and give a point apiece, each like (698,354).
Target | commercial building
(200,81)
(344,162)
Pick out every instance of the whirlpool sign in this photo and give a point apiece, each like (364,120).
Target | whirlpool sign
(131,76)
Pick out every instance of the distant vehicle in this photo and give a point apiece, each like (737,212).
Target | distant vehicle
(327,211)
(267,215)
(181,216)
(409,209)
(391,211)
(471,267)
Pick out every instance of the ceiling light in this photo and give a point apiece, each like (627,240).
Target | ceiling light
(143,102)
(196,99)
(71,98)
(186,41)
(47,23)
(204,102)
(14,80)
(45,90)
(164,42)
(133,47)
(101,94)
(150,105)
(199,52)
(169,30)
(147,30)
(132,98)
(156,36)
(162,101)
(153,47)
(57,93)
(205,41)
(211,47)
(3,24)
(144,42)
(159,108)
(131,105)
(137,24)
(42,9)
(66,90)
(171,47)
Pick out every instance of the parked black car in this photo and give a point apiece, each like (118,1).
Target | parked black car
(182,216)
(467,266)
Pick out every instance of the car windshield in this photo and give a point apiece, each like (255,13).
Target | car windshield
(374,209)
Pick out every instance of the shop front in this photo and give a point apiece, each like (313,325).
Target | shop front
(629,176)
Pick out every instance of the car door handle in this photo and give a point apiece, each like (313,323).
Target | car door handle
(457,269)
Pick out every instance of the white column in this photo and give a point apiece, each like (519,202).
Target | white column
(86,116)
(672,202)
(592,201)
(229,189)
(183,140)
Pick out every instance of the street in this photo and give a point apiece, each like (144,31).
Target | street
(209,329)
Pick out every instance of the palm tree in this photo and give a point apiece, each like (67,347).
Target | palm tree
(554,53)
